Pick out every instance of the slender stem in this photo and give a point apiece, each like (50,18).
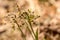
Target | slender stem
(30,24)
(20,29)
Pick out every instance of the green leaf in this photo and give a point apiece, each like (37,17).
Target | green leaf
(36,36)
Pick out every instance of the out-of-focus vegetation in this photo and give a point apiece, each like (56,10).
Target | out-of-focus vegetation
(27,16)
(43,0)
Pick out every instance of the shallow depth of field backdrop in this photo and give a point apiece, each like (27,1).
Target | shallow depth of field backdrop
(29,19)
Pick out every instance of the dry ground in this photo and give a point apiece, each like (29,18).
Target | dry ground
(24,19)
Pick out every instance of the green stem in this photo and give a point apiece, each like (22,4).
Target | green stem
(20,29)
(30,24)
